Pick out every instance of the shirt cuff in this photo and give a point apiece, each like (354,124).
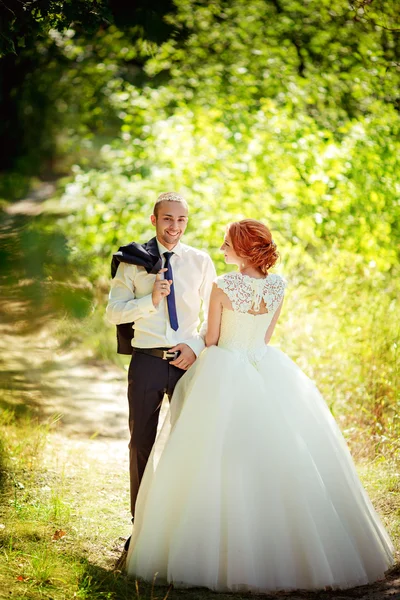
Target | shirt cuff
(196,344)
(146,306)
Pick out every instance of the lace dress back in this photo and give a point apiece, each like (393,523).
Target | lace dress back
(254,303)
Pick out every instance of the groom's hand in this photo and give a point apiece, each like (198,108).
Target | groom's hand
(161,288)
(186,357)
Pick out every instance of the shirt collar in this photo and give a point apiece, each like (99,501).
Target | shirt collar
(177,250)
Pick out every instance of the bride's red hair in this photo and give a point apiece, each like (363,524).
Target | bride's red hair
(253,241)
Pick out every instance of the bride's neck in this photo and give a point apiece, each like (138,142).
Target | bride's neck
(251,272)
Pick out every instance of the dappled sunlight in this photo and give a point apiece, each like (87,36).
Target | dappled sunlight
(285,112)
(90,400)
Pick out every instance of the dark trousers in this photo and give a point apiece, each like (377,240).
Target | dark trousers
(149,378)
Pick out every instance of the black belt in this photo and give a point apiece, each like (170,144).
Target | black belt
(163,353)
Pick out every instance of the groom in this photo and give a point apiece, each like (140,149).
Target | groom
(155,301)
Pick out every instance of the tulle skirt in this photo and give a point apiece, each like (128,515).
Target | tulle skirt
(251,487)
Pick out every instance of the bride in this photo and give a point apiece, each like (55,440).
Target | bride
(250,485)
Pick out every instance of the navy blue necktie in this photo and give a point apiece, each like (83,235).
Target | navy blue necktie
(173,317)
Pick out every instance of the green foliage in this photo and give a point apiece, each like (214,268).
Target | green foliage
(58,60)
(269,109)
(279,110)
(53,102)
(286,113)
(315,57)
(316,192)
(41,275)
(25,20)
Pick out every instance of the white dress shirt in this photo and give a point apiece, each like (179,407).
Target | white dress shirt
(130,299)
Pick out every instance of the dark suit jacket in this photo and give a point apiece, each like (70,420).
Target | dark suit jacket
(144,255)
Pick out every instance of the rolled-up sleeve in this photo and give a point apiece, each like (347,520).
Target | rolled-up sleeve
(123,306)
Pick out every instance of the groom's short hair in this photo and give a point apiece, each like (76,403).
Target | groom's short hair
(169,197)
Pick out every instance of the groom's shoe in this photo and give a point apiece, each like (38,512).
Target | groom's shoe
(128,541)
(120,563)
(126,545)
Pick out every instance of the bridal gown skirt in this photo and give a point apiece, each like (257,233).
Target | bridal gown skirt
(251,487)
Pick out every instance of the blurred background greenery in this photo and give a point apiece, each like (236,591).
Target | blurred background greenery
(281,110)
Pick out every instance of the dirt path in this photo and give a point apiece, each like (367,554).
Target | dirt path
(91,398)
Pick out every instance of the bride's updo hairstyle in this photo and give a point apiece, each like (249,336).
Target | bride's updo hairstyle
(253,241)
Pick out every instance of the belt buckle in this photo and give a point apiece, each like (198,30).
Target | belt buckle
(167,354)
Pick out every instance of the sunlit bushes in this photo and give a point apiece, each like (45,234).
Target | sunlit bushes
(335,229)
(296,128)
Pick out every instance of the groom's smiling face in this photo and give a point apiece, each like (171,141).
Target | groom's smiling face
(170,222)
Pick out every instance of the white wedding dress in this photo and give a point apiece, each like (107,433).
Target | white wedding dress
(250,485)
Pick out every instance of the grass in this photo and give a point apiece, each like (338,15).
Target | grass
(347,340)
(61,515)
(64,515)
(93,336)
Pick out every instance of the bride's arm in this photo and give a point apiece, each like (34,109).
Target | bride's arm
(271,327)
(214,317)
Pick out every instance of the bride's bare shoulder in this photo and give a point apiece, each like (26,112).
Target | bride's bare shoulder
(229,279)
